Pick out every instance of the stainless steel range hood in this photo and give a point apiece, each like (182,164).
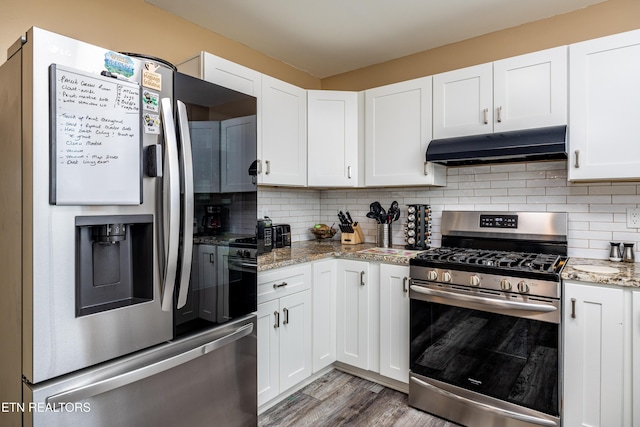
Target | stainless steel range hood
(516,146)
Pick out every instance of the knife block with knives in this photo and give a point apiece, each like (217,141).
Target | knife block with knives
(351,231)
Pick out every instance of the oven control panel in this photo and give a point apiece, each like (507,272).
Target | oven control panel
(499,221)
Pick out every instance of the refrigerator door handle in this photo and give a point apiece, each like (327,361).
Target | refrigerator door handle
(170,204)
(187,204)
(85,392)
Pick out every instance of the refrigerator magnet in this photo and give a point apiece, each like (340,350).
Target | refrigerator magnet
(150,101)
(151,123)
(150,78)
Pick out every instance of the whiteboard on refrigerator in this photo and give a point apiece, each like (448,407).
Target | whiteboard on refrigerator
(96,139)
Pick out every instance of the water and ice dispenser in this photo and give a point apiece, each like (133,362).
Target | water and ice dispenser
(114,262)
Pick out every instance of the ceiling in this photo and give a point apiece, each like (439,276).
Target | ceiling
(330,37)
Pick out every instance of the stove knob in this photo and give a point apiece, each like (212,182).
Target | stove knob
(505,285)
(523,287)
(474,280)
(446,276)
(432,275)
(239,252)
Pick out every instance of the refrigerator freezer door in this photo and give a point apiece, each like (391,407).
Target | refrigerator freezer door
(207,379)
(56,338)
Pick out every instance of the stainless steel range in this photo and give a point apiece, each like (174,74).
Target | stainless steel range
(485,319)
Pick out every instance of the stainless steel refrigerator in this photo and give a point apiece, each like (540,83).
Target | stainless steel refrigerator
(124,187)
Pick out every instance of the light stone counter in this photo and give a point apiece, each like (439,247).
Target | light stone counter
(301,252)
(622,273)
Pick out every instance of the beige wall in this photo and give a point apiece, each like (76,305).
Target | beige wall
(133,25)
(610,17)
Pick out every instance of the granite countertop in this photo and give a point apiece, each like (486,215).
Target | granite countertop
(301,252)
(602,271)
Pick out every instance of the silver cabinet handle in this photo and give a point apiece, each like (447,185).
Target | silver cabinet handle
(281,285)
(362,278)
(573,308)
(212,259)
(117,381)
(349,172)
(286,316)
(187,204)
(170,227)
(500,114)
(268,165)
(404,285)
(503,412)
(485,115)
(577,153)
(259,166)
(276,314)
(426,168)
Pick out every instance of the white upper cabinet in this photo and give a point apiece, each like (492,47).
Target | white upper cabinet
(462,102)
(522,92)
(604,133)
(332,138)
(397,133)
(223,72)
(282,152)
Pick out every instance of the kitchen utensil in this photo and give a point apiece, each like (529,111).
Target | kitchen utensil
(345,222)
(394,211)
(627,253)
(349,218)
(614,252)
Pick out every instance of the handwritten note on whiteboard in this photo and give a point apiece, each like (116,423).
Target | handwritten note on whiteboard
(96,139)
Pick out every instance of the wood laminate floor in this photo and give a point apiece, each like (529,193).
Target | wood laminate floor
(340,399)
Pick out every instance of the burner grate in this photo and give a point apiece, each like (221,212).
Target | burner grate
(512,261)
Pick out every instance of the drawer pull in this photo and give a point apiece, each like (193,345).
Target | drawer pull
(276,286)
(286,316)
(573,308)
(276,314)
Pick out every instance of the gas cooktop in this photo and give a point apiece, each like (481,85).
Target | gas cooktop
(454,258)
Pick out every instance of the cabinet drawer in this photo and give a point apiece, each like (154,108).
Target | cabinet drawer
(283,281)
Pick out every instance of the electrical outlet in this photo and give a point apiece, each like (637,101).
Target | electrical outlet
(633,218)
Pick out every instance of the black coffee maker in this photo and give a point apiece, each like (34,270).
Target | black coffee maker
(212,219)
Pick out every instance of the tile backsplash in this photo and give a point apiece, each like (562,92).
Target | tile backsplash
(597,211)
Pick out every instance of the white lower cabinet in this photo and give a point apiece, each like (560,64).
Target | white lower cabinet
(284,330)
(353,313)
(593,355)
(394,322)
(324,290)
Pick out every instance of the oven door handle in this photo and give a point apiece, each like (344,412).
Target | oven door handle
(498,411)
(516,305)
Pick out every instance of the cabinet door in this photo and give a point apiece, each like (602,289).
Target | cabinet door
(269,323)
(352,313)
(463,102)
(237,153)
(394,322)
(530,91)
(231,75)
(214,296)
(284,134)
(332,138)
(324,313)
(604,94)
(205,146)
(593,358)
(635,351)
(295,339)
(397,133)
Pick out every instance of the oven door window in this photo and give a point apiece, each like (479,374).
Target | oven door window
(505,357)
